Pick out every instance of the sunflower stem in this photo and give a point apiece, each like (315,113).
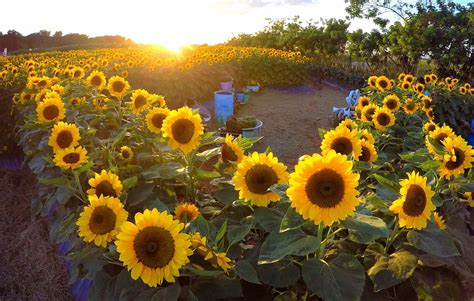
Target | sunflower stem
(79,187)
(392,236)
(320,238)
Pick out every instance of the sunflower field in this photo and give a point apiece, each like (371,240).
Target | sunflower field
(149,204)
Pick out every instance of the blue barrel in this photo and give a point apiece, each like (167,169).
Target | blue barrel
(223,106)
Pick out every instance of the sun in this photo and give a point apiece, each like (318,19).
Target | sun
(174,46)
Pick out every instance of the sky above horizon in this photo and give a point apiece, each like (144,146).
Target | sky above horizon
(172,23)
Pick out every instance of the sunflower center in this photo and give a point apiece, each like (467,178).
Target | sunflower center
(364,102)
(105,188)
(64,139)
(125,154)
(365,155)
(410,105)
(342,145)
(182,130)
(157,120)
(427,103)
(71,158)
(372,82)
(102,220)
(391,104)
(383,84)
(325,188)
(228,153)
(383,119)
(369,112)
(460,156)
(431,127)
(51,112)
(118,86)
(259,178)
(415,201)
(77,73)
(154,247)
(140,101)
(42,83)
(96,81)
(440,137)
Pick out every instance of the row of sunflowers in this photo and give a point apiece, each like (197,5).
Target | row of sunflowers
(152,205)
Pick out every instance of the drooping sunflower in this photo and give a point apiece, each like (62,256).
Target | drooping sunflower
(218,260)
(459,156)
(414,206)
(106,184)
(118,86)
(438,135)
(372,81)
(155,118)
(183,128)
(153,248)
(410,106)
(324,188)
(368,154)
(50,109)
(342,141)
(383,118)
(64,135)
(439,221)
(139,101)
(101,220)
(430,126)
(366,135)
(368,111)
(255,174)
(348,123)
(383,83)
(231,151)
(186,212)
(96,79)
(70,158)
(392,102)
(126,153)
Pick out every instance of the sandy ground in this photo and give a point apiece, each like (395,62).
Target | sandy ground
(30,268)
(291,120)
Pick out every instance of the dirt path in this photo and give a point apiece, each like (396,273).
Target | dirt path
(30,268)
(291,120)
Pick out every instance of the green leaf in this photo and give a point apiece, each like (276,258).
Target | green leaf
(291,220)
(60,181)
(129,182)
(139,194)
(388,270)
(365,228)
(390,184)
(169,293)
(279,274)
(201,225)
(293,242)
(167,171)
(118,139)
(202,174)
(321,132)
(221,232)
(217,289)
(435,242)
(268,218)
(238,232)
(227,195)
(246,271)
(342,278)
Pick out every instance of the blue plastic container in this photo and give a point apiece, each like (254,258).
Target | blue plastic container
(240,97)
(253,132)
(223,106)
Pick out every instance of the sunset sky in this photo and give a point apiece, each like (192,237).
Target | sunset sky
(172,23)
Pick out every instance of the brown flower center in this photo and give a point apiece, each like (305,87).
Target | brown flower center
(118,86)
(228,153)
(431,127)
(342,145)
(391,104)
(64,139)
(125,154)
(96,81)
(77,73)
(383,83)
(140,101)
(51,112)
(383,119)
(259,178)
(369,112)
(410,106)
(42,83)
(440,137)
(365,155)
(105,188)
(154,247)
(325,188)
(183,130)
(157,120)
(364,102)
(71,158)
(460,157)
(102,220)
(415,201)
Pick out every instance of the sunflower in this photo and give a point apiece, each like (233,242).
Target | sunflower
(470,197)
(368,111)
(409,78)
(410,107)
(405,85)
(427,79)
(183,128)
(186,212)
(419,88)
(106,184)
(64,135)
(70,158)
(342,141)
(118,86)
(372,81)
(155,118)
(255,174)
(139,101)
(348,123)
(430,126)
(430,114)
(101,220)
(126,153)
(96,79)
(427,103)
(383,119)
(439,221)
(459,156)
(58,89)
(323,188)
(414,206)
(77,73)
(434,77)
(153,248)
(41,95)
(383,83)
(368,154)
(462,90)
(218,260)
(231,151)
(401,77)
(392,102)
(51,109)
(366,135)
(438,135)
(363,101)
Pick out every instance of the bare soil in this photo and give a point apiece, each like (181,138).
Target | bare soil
(30,268)
(291,120)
